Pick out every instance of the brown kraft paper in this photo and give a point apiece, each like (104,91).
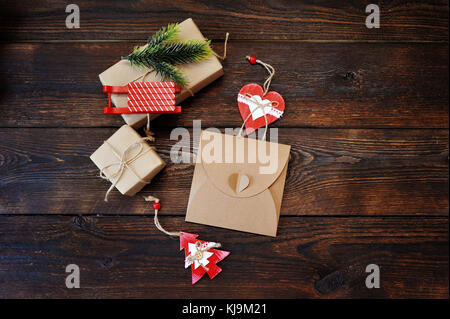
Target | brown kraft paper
(143,163)
(199,75)
(237,195)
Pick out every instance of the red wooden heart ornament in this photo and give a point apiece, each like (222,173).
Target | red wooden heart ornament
(248,99)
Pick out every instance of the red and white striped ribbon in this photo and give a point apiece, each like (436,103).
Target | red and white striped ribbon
(139,95)
(144,101)
(158,99)
(151,96)
(150,106)
(135,93)
(152,85)
(153,90)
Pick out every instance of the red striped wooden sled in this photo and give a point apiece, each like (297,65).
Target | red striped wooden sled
(144,97)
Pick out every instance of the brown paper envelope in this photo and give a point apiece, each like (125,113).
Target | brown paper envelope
(214,199)
(199,75)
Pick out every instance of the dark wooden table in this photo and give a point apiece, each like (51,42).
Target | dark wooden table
(367,118)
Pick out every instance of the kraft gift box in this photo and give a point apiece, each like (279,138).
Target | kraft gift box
(140,162)
(241,195)
(199,75)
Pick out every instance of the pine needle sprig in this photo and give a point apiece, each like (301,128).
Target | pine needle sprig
(164,35)
(180,52)
(162,53)
(170,72)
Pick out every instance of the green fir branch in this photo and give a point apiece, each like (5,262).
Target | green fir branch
(179,52)
(170,72)
(162,53)
(164,35)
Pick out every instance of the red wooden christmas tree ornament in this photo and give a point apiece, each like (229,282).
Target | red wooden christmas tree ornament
(201,256)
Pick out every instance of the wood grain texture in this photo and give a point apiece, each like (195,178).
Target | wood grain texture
(261,20)
(331,172)
(367,117)
(122,257)
(324,85)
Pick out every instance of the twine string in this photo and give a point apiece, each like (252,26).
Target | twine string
(156,220)
(269,69)
(143,76)
(124,161)
(148,123)
(147,131)
(200,249)
(224,56)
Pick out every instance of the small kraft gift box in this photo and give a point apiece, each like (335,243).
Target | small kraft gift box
(198,74)
(127,161)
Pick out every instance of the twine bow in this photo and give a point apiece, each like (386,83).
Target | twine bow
(123,163)
(259,106)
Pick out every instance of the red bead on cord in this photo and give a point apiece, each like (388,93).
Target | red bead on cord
(252,59)
(156,205)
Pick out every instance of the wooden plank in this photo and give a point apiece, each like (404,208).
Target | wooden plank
(324,85)
(261,20)
(331,172)
(126,257)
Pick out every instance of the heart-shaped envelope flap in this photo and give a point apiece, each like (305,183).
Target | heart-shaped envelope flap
(242,183)
(226,157)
